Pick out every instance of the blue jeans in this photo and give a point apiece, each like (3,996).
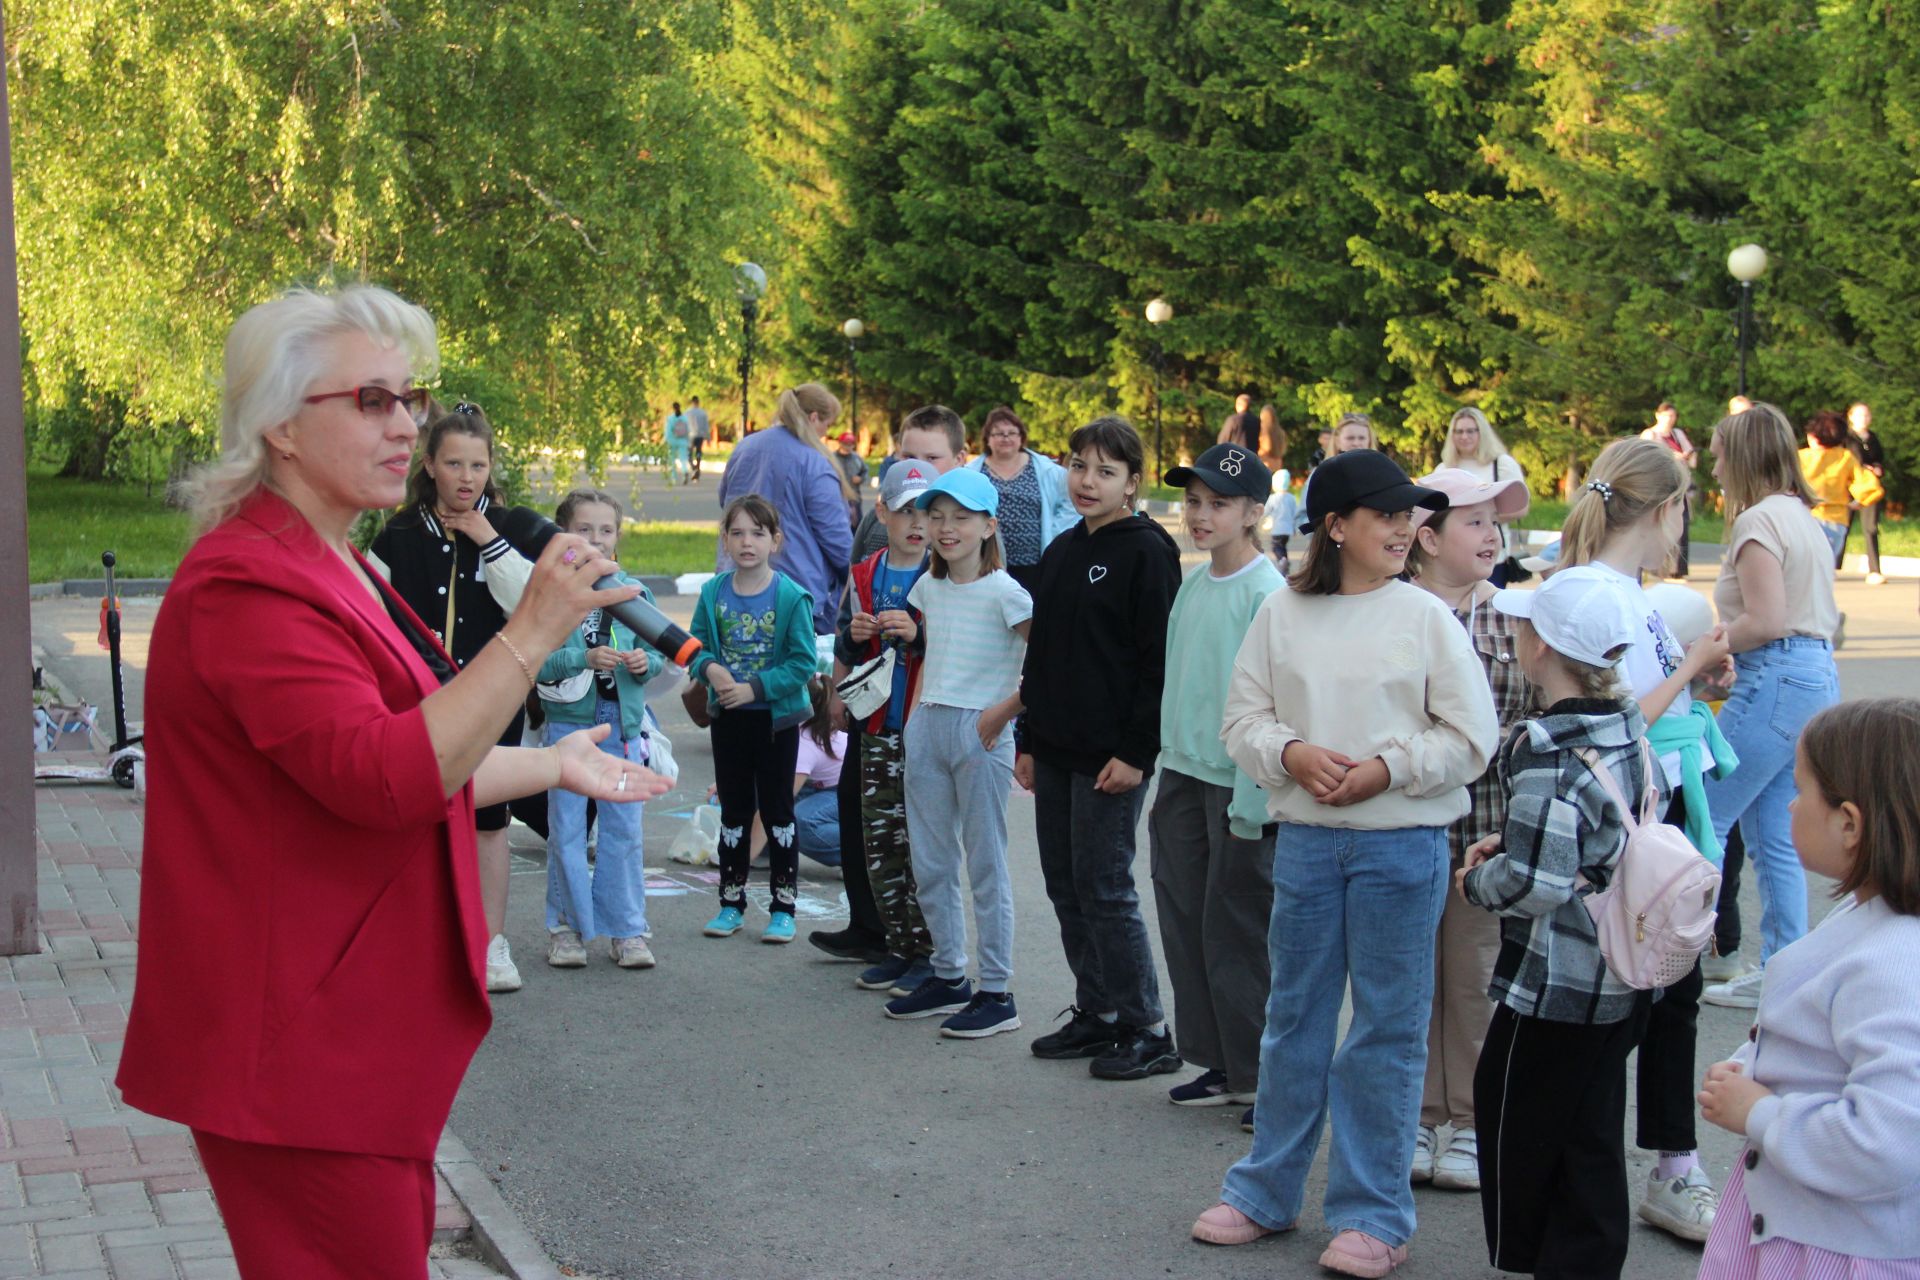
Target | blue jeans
(1359,906)
(610,898)
(1781,685)
(816,815)
(1836,536)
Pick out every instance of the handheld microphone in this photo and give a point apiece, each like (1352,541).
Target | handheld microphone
(529,532)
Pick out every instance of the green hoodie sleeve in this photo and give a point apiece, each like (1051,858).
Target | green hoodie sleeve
(570,659)
(1247,812)
(798,653)
(705,631)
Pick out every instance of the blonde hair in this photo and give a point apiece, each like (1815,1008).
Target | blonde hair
(275,353)
(1759,457)
(1353,419)
(1490,447)
(1629,480)
(790,413)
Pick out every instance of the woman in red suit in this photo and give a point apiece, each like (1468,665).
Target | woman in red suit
(310,982)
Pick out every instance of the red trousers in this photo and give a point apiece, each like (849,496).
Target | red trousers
(299,1214)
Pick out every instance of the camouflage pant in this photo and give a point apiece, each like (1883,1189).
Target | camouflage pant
(883,825)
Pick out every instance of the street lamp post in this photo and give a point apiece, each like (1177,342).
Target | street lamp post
(1159,311)
(853,329)
(1746,264)
(749,285)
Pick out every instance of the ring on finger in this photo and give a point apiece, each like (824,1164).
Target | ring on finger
(570,556)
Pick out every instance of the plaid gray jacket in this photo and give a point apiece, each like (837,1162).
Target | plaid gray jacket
(1560,828)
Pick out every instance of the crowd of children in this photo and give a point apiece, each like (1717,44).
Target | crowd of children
(1378,775)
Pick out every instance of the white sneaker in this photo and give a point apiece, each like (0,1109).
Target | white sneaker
(1423,1144)
(631,953)
(1682,1206)
(1458,1167)
(1875,579)
(1742,992)
(501,973)
(564,949)
(1721,968)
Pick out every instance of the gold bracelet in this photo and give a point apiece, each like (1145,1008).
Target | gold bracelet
(513,649)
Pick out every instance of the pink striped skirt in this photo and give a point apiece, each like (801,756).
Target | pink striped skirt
(1730,1256)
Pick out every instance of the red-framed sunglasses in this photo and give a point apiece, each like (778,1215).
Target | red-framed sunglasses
(380,401)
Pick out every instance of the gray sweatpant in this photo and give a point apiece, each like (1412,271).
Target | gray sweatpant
(1215,896)
(957,811)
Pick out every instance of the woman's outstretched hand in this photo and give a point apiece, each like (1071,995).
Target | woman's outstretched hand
(587,770)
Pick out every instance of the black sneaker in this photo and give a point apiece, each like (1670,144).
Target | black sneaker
(1246,1120)
(1084,1036)
(1137,1054)
(850,944)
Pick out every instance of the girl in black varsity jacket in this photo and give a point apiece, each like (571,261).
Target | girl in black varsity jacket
(444,559)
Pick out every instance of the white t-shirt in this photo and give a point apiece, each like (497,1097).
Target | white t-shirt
(822,770)
(973,654)
(1655,655)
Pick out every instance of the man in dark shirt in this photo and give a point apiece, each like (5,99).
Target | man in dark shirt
(1866,447)
(1242,426)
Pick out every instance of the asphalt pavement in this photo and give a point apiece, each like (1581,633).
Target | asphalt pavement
(744,1110)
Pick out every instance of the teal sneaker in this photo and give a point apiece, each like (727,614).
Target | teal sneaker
(727,923)
(779,929)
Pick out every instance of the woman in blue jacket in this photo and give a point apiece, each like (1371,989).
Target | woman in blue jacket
(1034,506)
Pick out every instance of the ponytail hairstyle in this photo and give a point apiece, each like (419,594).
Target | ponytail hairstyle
(465,419)
(819,725)
(790,414)
(1759,457)
(1628,480)
(1592,681)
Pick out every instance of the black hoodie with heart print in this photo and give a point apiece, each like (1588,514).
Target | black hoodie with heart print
(1097,651)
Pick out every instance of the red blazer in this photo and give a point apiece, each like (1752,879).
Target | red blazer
(311,936)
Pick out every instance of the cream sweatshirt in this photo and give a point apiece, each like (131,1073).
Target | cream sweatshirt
(1389,673)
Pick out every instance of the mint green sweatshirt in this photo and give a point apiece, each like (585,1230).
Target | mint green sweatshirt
(1210,618)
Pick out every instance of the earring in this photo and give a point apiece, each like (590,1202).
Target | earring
(1338,545)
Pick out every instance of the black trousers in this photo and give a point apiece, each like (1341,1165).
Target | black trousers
(1869,518)
(1726,920)
(863,914)
(1550,1099)
(1665,1082)
(753,772)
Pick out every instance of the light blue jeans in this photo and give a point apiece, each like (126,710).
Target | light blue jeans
(1836,536)
(610,898)
(1359,907)
(957,813)
(816,815)
(1781,686)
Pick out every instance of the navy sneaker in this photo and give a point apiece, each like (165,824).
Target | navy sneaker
(1086,1035)
(988,1013)
(882,976)
(917,972)
(1246,1120)
(1207,1090)
(936,995)
(1135,1055)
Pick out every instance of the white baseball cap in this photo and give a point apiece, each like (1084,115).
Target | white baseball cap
(1579,613)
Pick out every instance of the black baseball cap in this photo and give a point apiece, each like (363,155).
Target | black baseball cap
(1363,478)
(1226,469)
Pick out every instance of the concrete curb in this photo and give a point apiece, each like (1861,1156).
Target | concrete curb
(503,1241)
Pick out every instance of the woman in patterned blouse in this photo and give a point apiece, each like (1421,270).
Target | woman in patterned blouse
(1034,506)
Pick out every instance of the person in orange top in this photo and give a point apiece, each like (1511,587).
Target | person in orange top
(1836,476)
(310,984)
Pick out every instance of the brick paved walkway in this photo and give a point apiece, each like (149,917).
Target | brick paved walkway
(88,1186)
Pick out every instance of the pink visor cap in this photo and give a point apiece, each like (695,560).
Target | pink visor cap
(1464,489)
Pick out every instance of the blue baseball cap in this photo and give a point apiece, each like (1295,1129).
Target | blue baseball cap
(965,486)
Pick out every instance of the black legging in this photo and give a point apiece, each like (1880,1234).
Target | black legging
(1665,1081)
(753,770)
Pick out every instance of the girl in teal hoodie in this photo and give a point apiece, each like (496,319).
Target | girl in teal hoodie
(599,676)
(755,626)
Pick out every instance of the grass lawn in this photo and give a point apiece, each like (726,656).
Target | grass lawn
(70,522)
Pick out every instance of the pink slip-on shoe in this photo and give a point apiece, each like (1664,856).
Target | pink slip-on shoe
(1224,1224)
(1355,1253)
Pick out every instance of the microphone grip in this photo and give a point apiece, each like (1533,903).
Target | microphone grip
(651,625)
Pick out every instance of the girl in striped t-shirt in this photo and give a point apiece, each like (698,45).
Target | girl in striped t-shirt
(959,757)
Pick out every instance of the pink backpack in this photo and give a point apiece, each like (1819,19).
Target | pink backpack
(1656,914)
